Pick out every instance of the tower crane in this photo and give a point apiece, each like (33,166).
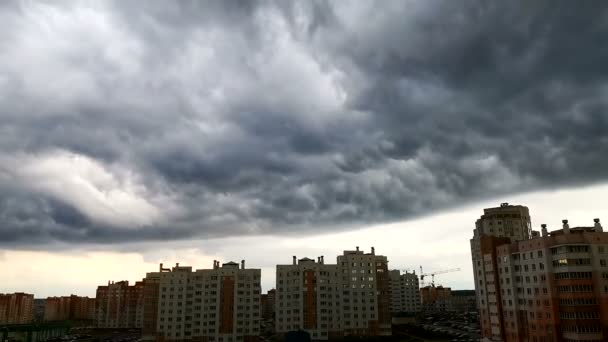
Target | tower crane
(432,274)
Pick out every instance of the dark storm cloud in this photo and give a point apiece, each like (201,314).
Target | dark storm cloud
(231,117)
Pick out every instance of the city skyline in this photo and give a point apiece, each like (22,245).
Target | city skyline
(184,132)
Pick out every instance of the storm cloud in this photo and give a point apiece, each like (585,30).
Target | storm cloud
(124,121)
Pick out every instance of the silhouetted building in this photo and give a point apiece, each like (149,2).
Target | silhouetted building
(151,298)
(268,303)
(462,301)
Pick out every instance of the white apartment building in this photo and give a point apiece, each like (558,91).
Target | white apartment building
(405,292)
(221,304)
(330,301)
(308,297)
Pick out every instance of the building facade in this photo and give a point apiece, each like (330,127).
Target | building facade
(72,307)
(151,303)
(550,287)
(119,305)
(351,297)
(268,302)
(405,292)
(463,301)
(221,304)
(435,298)
(16,308)
(507,223)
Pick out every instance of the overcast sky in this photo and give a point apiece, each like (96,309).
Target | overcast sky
(133,132)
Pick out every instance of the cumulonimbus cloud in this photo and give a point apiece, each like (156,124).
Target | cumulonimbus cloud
(223,118)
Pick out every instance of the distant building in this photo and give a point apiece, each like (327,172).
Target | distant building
(72,308)
(220,304)
(462,301)
(548,286)
(435,298)
(151,297)
(351,297)
(16,308)
(268,304)
(405,292)
(39,305)
(119,305)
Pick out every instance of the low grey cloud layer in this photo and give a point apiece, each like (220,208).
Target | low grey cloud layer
(128,121)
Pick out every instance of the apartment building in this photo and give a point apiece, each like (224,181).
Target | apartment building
(351,297)
(69,308)
(120,305)
(405,292)
(151,296)
(16,308)
(508,223)
(550,287)
(268,302)
(435,298)
(220,304)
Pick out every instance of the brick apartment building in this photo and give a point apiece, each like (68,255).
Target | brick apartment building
(547,286)
(351,297)
(120,305)
(72,307)
(16,308)
(268,302)
(435,298)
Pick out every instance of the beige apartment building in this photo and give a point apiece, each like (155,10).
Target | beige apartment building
(405,292)
(221,304)
(351,297)
(551,286)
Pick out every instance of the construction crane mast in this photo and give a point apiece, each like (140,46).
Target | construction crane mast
(432,274)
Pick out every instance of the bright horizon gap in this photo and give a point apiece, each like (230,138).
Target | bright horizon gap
(406,244)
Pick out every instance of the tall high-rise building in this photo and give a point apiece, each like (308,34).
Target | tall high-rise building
(351,297)
(69,308)
(219,304)
(119,305)
(16,308)
(551,286)
(508,223)
(405,292)
(151,298)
